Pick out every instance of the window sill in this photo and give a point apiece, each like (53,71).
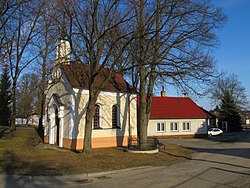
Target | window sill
(118,128)
(99,128)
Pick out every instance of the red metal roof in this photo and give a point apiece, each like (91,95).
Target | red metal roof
(175,107)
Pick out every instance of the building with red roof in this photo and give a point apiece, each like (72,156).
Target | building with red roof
(115,118)
(175,117)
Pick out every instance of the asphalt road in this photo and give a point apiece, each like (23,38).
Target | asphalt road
(217,163)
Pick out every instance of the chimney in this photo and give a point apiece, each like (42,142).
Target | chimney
(62,51)
(163,92)
(185,93)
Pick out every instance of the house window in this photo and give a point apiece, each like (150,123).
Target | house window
(174,126)
(115,117)
(161,127)
(186,126)
(97,117)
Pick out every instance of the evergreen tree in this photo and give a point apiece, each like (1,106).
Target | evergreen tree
(5,98)
(230,112)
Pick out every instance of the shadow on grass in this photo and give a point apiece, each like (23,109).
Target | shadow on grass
(40,133)
(5,131)
(13,165)
(1,133)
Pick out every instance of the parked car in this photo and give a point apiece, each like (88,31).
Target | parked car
(214,131)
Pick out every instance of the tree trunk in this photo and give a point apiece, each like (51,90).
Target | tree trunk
(27,121)
(13,110)
(152,76)
(43,97)
(149,97)
(42,104)
(142,112)
(40,124)
(89,119)
(143,126)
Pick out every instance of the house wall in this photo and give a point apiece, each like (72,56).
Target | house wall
(107,136)
(197,127)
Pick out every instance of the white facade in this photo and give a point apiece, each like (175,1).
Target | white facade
(66,110)
(177,127)
(66,106)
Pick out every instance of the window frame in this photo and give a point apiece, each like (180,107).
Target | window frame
(184,124)
(177,126)
(161,125)
(117,123)
(97,116)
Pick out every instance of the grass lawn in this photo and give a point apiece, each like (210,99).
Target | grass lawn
(21,154)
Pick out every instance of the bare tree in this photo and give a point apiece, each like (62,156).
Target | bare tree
(228,84)
(27,95)
(98,36)
(21,33)
(48,34)
(174,39)
(7,9)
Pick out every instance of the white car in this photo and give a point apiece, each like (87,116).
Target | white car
(214,131)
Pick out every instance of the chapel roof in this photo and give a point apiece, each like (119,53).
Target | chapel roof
(78,76)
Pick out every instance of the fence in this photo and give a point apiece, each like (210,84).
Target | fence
(152,143)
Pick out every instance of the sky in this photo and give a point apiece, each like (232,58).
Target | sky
(233,53)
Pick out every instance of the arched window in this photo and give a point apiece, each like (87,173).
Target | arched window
(97,117)
(115,117)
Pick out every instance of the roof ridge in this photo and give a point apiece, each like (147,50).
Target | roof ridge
(172,97)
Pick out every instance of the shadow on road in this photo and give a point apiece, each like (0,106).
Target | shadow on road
(239,148)
(238,152)
(228,178)
(242,136)
(219,176)
(210,161)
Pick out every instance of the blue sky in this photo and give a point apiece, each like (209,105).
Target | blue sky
(233,53)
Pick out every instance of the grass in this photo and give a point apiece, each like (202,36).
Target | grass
(21,154)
